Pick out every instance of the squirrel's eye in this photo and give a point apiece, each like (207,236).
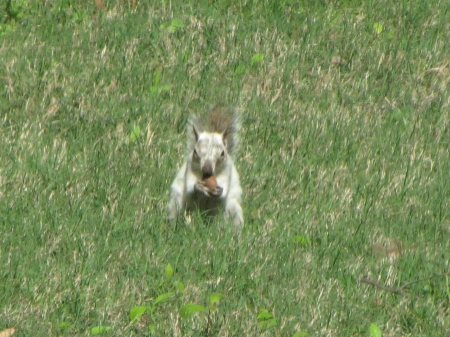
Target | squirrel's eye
(222,154)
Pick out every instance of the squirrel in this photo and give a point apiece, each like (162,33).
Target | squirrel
(208,180)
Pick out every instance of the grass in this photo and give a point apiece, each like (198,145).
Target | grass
(344,162)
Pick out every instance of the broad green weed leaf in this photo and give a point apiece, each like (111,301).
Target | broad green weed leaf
(188,310)
(374,330)
(265,314)
(257,58)
(137,312)
(240,69)
(169,270)
(266,320)
(303,240)
(135,134)
(300,334)
(267,324)
(179,285)
(5,29)
(156,89)
(175,25)
(165,87)
(214,298)
(163,297)
(157,78)
(377,27)
(97,330)
(152,328)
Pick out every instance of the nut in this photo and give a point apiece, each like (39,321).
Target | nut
(210,182)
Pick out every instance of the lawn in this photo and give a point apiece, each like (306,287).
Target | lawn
(344,162)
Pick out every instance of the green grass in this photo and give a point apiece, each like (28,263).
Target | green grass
(345,149)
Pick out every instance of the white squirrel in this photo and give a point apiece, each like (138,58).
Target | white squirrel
(208,180)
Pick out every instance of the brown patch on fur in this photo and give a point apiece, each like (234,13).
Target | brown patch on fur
(220,119)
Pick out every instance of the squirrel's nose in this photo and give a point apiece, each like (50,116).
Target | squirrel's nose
(207,170)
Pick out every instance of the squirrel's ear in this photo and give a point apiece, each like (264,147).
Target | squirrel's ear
(224,138)
(195,132)
(226,134)
(197,127)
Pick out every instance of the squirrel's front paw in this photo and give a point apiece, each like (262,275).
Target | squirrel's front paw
(202,187)
(215,192)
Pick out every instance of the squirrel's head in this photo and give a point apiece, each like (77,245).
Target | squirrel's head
(212,139)
(210,152)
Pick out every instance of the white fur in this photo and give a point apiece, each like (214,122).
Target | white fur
(208,156)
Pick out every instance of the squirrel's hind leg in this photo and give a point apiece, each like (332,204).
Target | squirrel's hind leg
(177,197)
(233,211)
